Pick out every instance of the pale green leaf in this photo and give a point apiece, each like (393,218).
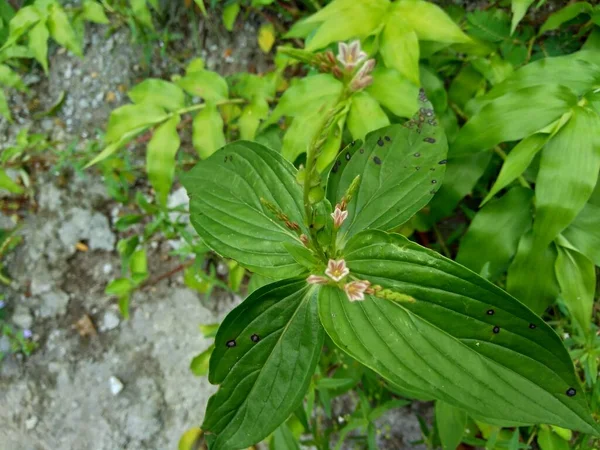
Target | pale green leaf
(519,8)
(576,277)
(114,146)
(10,78)
(567,175)
(120,286)
(141,13)
(94,12)
(517,161)
(200,363)
(158,92)
(493,236)
(266,351)
(331,148)
(429,21)
(584,232)
(450,422)
(4,108)
(400,48)
(365,115)
(61,30)
(130,117)
(463,340)
(300,135)
(7,184)
(252,114)
(230,13)
(400,167)
(38,43)
(283,439)
(24,19)
(207,131)
(493,68)
(160,158)
(548,440)
(394,92)
(210,86)
(266,37)
(565,14)
(513,116)
(227,212)
(202,7)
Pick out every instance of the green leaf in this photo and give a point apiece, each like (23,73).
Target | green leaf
(513,116)
(4,108)
(94,12)
(7,184)
(113,147)
(38,43)
(548,440)
(266,351)
(531,276)
(200,363)
(132,117)
(446,343)
(210,86)
(400,167)
(466,85)
(576,277)
(141,13)
(394,92)
(517,161)
(565,14)
(9,78)
(300,135)
(493,236)
(429,21)
(450,422)
(226,209)
(61,30)
(160,158)
(400,48)
(493,68)
(519,8)
(207,129)
(230,13)
(567,175)
(283,439)
(252,114)
(584,232)
(200,4)
(365,115)
(120,286)
(24,19)
(360,19)
(266,37)
(158,92)
(492,26)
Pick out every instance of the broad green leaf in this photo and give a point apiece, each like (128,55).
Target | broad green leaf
(230,13)
(400,167)
(450,422)
(359,20)
(517,161)
(252,114)
(463,340)
(226,208)
(493,68)
(365,115)
(61,30)
(24,19)
(567,175)
(38,43)
(210,86)
(300,135)
(158,92)
(394,92)
(565,14)
(576,277)
(207,129)
(130,117)
(400,48)
(309,95)
(160,158)
(519,8)
(493,236)
(94,12)
(9,78)
(513,116)
(468,84)
(266,351)
(492,26)
(548,440)
(531,276)
(4,108)
(429,21)
(7,184)
(141,13)
(283,439)
(584,232)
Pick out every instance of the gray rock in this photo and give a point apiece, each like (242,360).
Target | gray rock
(110,321)
(53,304)
(22,317)
(100,235)
(116,386)
(31,422)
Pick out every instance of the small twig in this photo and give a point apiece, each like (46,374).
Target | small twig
(170,273)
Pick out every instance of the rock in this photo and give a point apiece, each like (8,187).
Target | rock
(100,236)
(110,321)
(22,317)
(31,423)
(116,386)
(181,199)
(53,304)
(81,224)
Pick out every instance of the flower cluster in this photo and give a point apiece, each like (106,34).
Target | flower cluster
(337,271)
(350,56)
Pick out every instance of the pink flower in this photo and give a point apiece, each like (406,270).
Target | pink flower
(317,279)
(355,290)
(350,55)
(336,270)
(339,216)
(363,77)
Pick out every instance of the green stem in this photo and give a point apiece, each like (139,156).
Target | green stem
(503,155)
(203,105)
(442,242)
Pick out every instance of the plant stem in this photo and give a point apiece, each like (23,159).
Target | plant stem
(442,242)
(203,105)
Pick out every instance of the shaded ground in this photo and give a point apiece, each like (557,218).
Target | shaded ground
(128,386)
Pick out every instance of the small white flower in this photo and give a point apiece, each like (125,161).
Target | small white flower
(355,290)
(350,55)
(339,216)
(317,279)
(336,269)
(363,77)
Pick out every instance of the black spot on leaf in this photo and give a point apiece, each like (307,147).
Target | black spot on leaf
(496,329)
(231,343)
(362,150)
(387,138)
(416,155)
(380,142)
(571,392)
(225,160)
(255,338)
(443,161)
(429,140)
(418,168)
(490,312)
(532,326)
(433,181)
(348,156)
(377,160)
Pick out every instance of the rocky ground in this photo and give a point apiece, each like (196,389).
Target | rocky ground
(128,384)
